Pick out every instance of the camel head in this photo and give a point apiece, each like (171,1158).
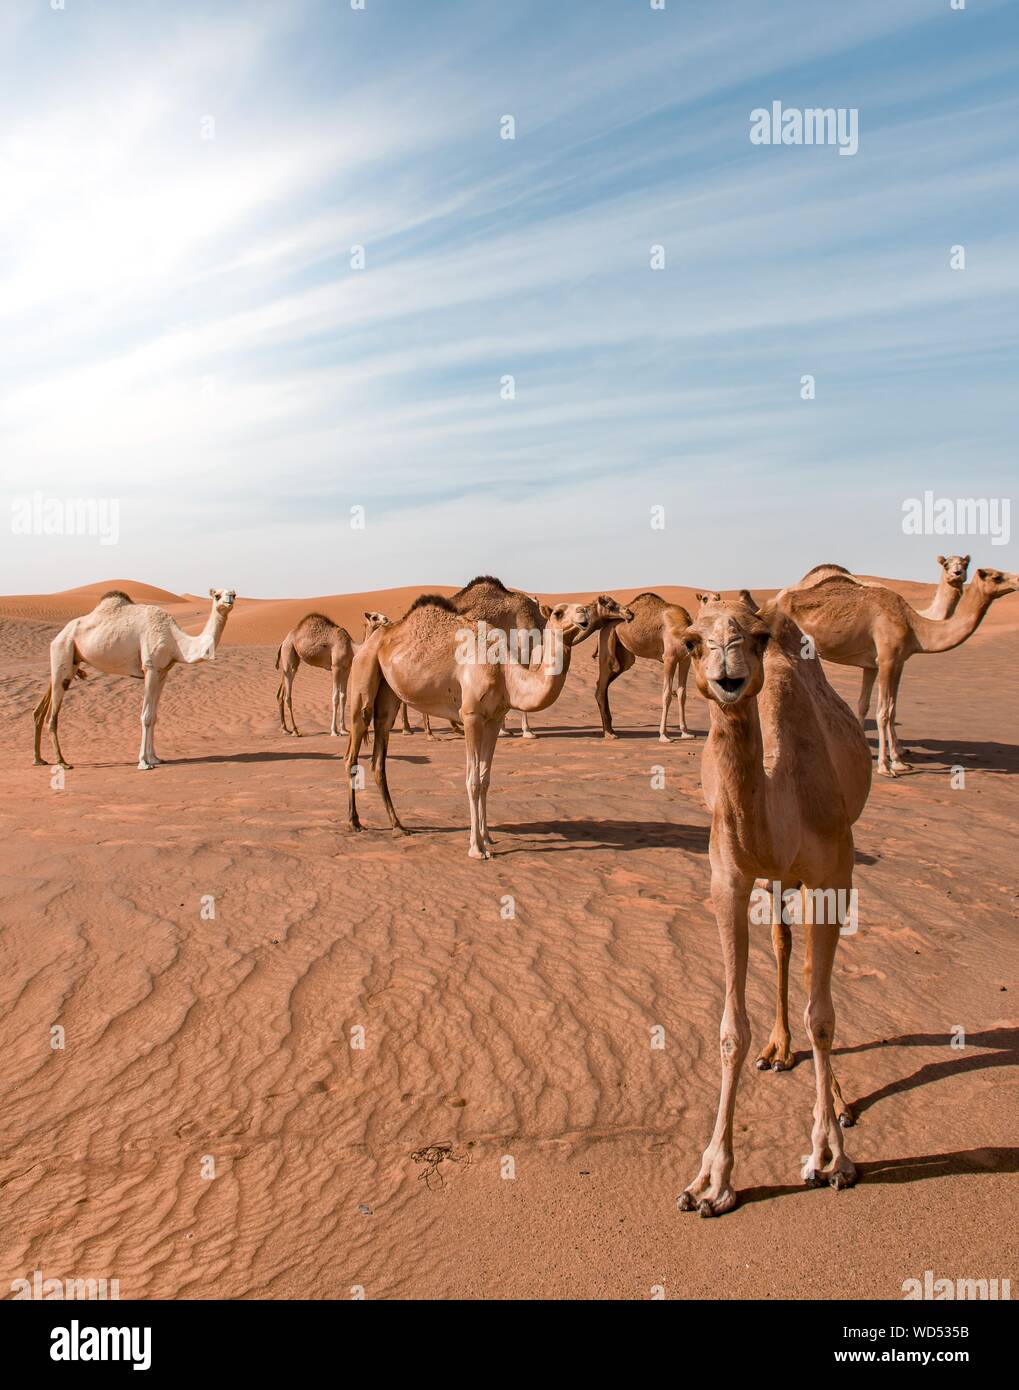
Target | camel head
(726,646)
(955,567)
(223,600)
(710,596)
(607,610)
(574,620)
(992,584)
(373,621)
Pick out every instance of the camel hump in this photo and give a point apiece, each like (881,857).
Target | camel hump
(115,598)
(433,601)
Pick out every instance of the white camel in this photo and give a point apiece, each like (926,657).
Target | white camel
(123,638)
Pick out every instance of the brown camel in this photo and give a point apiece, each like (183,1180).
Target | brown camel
(451,663)
(872,627)
(317,641)
(786,772)
(122,638)
(654,633)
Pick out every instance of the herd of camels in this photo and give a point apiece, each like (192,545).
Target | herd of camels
(786,768)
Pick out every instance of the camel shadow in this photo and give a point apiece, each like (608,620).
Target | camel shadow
(607,834)
(915,1168)
(258,758)
(985,757)
(1006,1040)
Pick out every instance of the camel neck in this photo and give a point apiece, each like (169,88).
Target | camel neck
(935,635)
(738,748)
(945,602)
(532,688)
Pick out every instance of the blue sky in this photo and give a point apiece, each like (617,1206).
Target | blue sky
(181,328)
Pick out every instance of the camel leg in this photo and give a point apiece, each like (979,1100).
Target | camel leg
(408,727)
(428,729)
(711,1193)
(339,703)
(149,702)
(866,686)
(474,738)
(525,728)
(682,671)
(62,668)
(674,669)
(155,708)
(489,740)
(387,706)
(899,763)
(777,1054)
(40,714)
(613,660)
(358,728)
(828,1159)
(887,685)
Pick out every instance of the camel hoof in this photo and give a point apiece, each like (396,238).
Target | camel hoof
(475,853)
(399,829)
(812,1179)
(762,1064)
(847,1119)
(145,767)
(354,825)
(685,733)
(526,733)
(68,767)
(686,1202)
(664,738)
(902,767)
(40,762)
(840,1181)
(886,771)
(609,733)
(704,1208)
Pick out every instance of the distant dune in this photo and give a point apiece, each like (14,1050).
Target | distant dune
(265,622)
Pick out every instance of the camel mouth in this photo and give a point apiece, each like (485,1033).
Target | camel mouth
(729,688)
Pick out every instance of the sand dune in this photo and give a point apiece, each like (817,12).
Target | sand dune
(523,1042)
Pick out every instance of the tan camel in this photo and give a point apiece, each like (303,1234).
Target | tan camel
(951,582)
(786,772)
(317,641)
(451,663)
(122,638)
(872,627)
(654,633)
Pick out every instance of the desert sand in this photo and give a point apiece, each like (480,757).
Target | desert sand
(507,1129)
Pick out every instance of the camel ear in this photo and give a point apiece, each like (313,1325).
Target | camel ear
(965,561)
(691,640)
(983,574)
(213,593)
(745,596)
(546,612)
(941,561)
(700,597)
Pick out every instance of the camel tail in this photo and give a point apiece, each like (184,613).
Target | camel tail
(279,650)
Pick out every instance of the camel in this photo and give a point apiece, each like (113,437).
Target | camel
(372,621)
(872,627)
(786,772)
(317,641)
(123,638)
(454,659)
(653,633)
(951,582)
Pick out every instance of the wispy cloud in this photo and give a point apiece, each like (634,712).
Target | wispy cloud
(181,325)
